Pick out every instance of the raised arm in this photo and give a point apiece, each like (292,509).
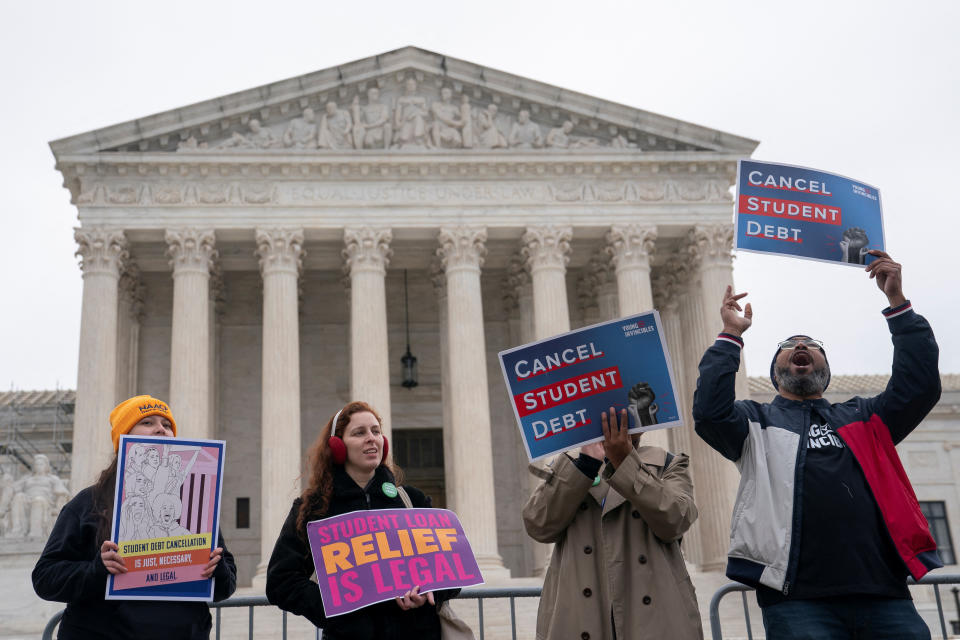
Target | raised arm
(662,493)
(718,419)
(554,503)
(914,386)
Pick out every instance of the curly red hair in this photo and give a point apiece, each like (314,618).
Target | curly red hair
(315,498)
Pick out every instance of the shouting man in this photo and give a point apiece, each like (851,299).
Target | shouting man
(826,525)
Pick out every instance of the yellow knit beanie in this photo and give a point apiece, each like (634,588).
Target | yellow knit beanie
(129,412)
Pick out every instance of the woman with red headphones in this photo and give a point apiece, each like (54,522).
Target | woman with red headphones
(348,470)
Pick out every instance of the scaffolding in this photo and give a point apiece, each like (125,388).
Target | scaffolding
(36,422)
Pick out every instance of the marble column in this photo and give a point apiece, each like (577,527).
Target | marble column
(630,247)
(366,254)
(462,251)
(547,252)
(669,289)
(192,254)
(129,315)
(102,253)
(519,301)
(439,279)
(280,251)
(715,478)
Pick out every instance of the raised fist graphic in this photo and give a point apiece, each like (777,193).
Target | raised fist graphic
(641,405)
(853,245)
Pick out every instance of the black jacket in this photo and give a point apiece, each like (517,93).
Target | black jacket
(291,565)
(70,570)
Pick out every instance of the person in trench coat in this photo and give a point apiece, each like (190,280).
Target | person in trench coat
(617,572)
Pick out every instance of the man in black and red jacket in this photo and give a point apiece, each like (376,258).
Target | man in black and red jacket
(826,525)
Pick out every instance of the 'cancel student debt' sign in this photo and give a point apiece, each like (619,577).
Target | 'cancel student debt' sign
(365,557)
(559,386)
(805,213)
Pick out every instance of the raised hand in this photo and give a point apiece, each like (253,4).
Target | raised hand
(616,439)
(887,274)
(733,322)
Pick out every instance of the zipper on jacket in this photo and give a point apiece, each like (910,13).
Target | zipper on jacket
(793,559)
(367,496)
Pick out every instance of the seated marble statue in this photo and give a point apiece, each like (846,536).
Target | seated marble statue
(37,499)
(336,128)
(525,134)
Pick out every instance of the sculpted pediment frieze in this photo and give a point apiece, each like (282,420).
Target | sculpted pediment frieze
(407,114)
(409,100)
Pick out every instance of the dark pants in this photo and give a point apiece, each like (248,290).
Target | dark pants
(845,618)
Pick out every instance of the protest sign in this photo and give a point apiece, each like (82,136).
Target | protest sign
(366,557)
(805,213)
(559,386)
(166,517)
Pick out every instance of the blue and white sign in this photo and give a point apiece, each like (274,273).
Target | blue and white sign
(805,213)
(559,386)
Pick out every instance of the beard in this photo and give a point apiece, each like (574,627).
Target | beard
(804,386)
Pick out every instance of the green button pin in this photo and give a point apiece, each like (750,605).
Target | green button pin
(389,489)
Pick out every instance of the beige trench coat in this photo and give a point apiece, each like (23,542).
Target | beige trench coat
(617,552)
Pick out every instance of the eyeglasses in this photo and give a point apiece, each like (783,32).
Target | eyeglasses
(809,343)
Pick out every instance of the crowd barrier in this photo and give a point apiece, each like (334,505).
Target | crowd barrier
(933,580)
(252,602)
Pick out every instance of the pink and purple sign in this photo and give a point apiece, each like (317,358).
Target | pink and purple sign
(166,517)
(366,557)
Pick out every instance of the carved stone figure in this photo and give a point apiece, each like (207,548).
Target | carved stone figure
(191,144)
(446,131)
(559,137)
(6,501)
(488,135)
(301,133)
(410,119)
(37,499)
(336,128)
(259,137)
(525,134)
(621,142)
(372,128)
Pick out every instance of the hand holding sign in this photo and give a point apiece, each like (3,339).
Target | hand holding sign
(412,599)
(617,443)
(887,274)
(215,556)
(111,559)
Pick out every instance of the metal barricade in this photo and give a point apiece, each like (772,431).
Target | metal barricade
(933,580)
(251,602)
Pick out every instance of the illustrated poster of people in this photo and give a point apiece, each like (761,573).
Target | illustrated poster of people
(806,213)
(559,386)
(166,517)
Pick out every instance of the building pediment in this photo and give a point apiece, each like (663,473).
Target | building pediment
(405,101)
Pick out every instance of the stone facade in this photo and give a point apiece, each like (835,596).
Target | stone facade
(244,257)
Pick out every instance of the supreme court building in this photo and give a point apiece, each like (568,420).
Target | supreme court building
(244,259)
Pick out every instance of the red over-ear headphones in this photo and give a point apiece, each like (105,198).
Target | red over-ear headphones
(338,450)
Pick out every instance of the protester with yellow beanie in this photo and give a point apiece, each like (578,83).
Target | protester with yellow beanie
(134,411)
(79,554)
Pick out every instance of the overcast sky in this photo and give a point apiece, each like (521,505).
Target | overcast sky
(870,92)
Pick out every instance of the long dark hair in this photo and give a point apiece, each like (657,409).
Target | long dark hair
(104,493)
(315,498)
